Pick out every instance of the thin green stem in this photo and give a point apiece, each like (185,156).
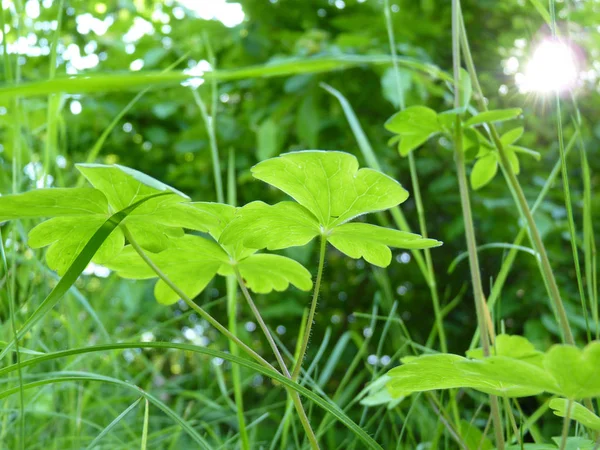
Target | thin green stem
(459,157)
(209,123)
(566,425)
(431,278)
(567,190)
(313,308)
(521,200)
(232,298)
(294,395)
(200,311)
(261,323)
(235,370)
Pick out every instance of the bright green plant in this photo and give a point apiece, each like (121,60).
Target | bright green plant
(328,186)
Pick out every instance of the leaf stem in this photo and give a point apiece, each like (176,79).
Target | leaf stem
(294,395)
(566,424)
(199,310)
(261,322)
(480,305)
(313,308)
(521,200)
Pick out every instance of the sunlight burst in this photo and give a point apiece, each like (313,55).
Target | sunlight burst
(552,68)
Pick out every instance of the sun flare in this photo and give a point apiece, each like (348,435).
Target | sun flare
(552,68)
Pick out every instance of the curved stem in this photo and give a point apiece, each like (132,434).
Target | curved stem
(521,200)
(261,323)
(313,308)
(294,395)
(201,312)
(566,423)
(459,158)
(235,370)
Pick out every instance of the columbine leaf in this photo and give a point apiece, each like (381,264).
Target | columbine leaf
(78,213)
(575,443)
(330,185)
(578,412)
(54,202)
(495,115)
(190,263)
(415,125)
(484,170)
(123,186)
(264,273)
(512,347)
(330,191)
(67,236)
(575,370)
(363,240)
(258,225)
(495,375)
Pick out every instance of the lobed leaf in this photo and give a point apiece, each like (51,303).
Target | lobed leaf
(578,412)
(274,227)
(53,202)
(264,273)
(190,263)
(575,370)
(371,242)
(330,185)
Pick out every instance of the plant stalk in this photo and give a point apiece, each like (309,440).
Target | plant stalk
(199,310)
(294,395)
(313,308)
(480,305)
(521,200)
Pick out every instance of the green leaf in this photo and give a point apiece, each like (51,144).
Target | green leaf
(575,370)
(376,394)
(576,443)
(512,347)
(268,140)
(53,202)
(258,225)
(484,170)
(513,160)
(330,185)
(527,151)
(415,125)
(363,240)
(80,84)
(512,136)
(124,186)
(67,236)
(330,190)
(495,115)
(190,263)
(466,89)
(77,213)
(264,273)
(495,375)
(578,412)
(74,270)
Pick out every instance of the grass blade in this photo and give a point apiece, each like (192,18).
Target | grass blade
(328,406)
(76,268)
